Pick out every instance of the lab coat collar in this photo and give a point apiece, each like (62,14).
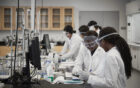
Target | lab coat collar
(112,48)
(72,36)
(96,51)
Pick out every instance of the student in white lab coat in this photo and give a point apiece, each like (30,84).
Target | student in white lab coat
(119,57)
(72,44)
(83,30)
(94,27)
(97,29)
(91,25)
(90,62)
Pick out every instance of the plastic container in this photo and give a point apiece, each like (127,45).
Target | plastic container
(50,71)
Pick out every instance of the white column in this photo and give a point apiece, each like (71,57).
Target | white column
(32,14)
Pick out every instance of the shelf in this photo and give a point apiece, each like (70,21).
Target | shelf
(56,25)
(68,11)
(44,22)
(56,11)
(7,14)
(56,14)
(44,14)
(7,22)
(44,26)
(68,14)
(56,21)
(134,44)
(68,22)
(44,11)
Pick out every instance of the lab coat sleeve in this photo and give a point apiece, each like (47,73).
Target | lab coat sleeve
(100,81)
(78,62)
(107,76)
(112,71)
(65,48)
(74,49)
(97,81)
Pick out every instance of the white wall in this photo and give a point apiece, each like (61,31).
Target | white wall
(81,5)
(133,7)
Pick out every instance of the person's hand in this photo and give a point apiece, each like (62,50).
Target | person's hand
(84,75)
(75,70)
(61,59)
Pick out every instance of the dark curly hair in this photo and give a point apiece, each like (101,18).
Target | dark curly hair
(69,29)
(92,23)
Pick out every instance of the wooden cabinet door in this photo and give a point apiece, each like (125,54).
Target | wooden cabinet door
(0,18)
(68,16)
(6,18)
(21,18)
(44,19)
(28,18)
(56,18)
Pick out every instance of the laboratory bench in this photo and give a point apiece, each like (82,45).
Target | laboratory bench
(45,84)
(7,49)
(57,48)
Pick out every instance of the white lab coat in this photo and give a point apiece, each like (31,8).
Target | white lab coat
(116,69)
(106,69)
(71,47)
(92,28)
(85,61)
(113,74)
(95,64)
(98,31)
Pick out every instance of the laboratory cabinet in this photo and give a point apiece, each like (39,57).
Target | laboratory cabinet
(44,21)
(139,59)
(133,37)
(56,18)
(21,17)
(27,18)
(135,52)
(68,16)
(60,17)
(46,18)
(133,19)
(7,18)
(0,18)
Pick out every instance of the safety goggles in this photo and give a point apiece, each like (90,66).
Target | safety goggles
(90,44)
(101,38)
(82,33)
(90,41)
(65,33)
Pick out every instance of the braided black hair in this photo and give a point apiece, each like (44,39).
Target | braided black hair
(121,45)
